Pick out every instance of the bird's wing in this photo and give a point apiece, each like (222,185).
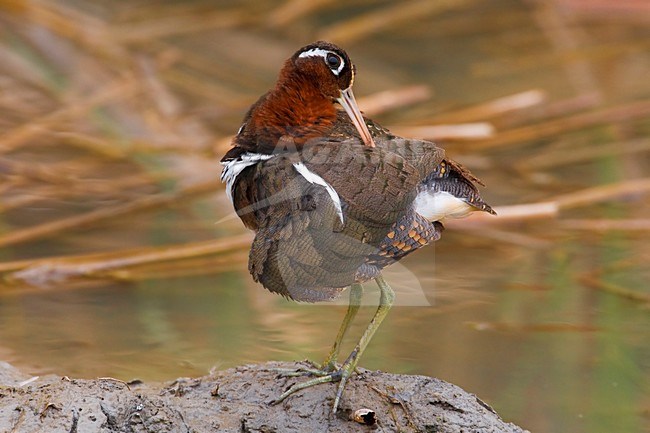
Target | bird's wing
(377,184)
(316,221)
(300,249)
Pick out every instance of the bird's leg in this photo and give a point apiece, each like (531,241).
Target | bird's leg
(329,365)
(342,374)
(386,298)
(356,293)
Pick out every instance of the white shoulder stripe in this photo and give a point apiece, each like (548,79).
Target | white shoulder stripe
(232,168)
(312,177)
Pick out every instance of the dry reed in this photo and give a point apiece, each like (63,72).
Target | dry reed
(153,108)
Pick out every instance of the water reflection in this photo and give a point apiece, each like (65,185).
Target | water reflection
(505,322)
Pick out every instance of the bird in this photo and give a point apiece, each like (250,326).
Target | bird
(333,197)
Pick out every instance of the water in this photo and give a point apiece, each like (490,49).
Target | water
(517,313)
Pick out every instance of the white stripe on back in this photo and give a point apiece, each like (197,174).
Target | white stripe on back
(312,177)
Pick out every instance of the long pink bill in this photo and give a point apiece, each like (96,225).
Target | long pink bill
(350,105)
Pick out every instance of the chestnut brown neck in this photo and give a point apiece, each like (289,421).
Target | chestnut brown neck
(291,114)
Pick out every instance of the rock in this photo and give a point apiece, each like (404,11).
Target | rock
(238,400)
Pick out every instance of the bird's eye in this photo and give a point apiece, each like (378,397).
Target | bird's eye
(333,61)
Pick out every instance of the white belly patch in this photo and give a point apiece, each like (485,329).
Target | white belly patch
(435,206)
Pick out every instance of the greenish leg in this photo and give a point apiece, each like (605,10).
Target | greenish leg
(386,299)
(356,293)
(329,365)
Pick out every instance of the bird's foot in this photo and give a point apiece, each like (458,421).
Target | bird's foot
(339,374)
(313,369)
(329,365)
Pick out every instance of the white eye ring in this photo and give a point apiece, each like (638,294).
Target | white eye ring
(319,52)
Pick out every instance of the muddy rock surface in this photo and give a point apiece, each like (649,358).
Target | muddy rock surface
(238,400)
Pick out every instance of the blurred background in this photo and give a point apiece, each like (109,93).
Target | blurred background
(119,256)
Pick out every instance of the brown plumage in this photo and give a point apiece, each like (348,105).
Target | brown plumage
(302,249)
(333,197)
